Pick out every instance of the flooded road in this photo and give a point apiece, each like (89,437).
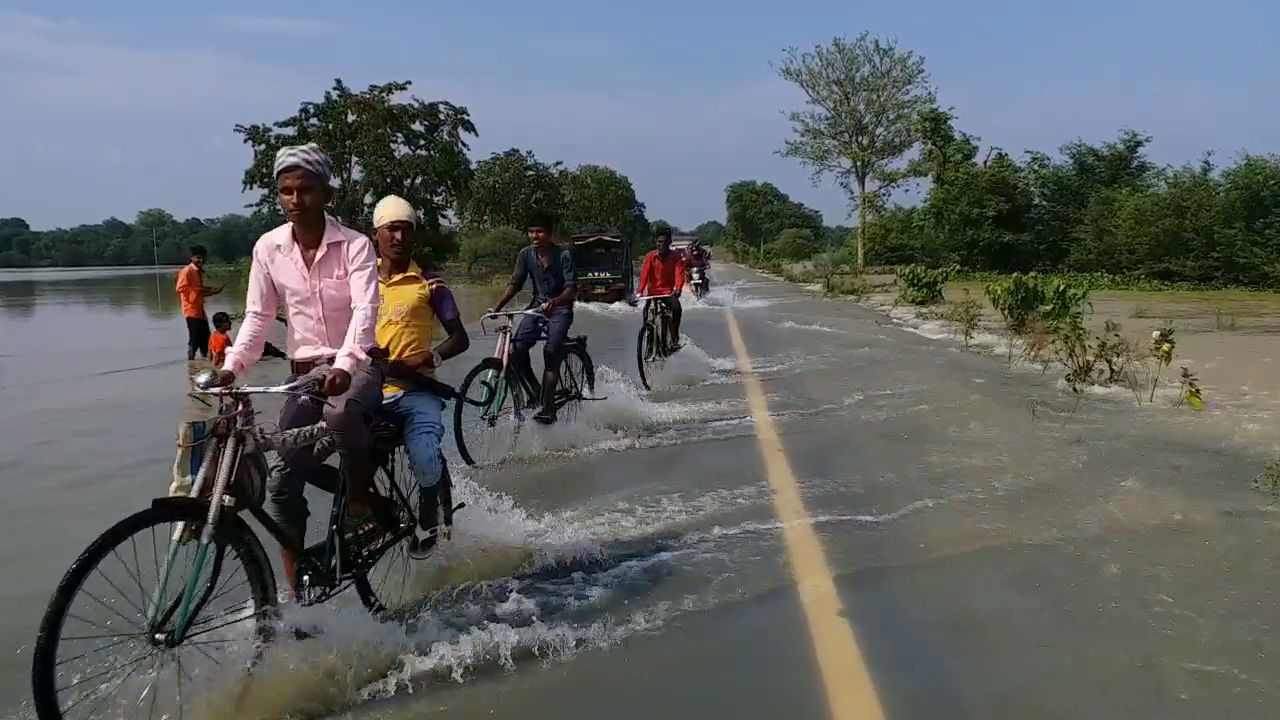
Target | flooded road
(999,552)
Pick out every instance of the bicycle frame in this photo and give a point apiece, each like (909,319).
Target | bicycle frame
(502,352)
(659,315)
(236,428)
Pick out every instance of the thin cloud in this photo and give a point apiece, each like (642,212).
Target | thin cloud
(60,65)
(276,25)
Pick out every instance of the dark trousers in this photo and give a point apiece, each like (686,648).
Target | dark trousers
(677,312)
(348,417)
(197,337)
(528,334)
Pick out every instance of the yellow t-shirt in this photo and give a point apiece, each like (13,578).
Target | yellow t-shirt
(409,315)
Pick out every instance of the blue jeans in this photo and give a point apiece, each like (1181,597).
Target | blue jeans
(420,414)
(530,332)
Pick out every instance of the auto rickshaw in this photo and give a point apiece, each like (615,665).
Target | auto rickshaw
(602,266)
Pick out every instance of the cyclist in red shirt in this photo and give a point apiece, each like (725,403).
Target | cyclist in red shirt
(663,273)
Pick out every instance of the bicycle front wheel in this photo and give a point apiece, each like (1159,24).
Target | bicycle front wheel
(646,353)
(484,413)
(107,646)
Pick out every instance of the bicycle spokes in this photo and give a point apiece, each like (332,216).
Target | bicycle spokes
(109,649)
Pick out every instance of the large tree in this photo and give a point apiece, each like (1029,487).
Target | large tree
(710,231)
(862,101)
(507,187)
(380,143)
(757,212)
(595,195)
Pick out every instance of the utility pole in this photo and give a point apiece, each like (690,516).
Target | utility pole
(155,260)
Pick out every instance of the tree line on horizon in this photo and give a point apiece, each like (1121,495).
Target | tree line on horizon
(870,123)
(381,142)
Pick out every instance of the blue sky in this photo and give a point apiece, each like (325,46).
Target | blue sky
(115,107)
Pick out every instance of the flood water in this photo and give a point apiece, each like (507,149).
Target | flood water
(1001,550)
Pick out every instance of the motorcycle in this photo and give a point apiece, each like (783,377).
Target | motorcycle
(698,279)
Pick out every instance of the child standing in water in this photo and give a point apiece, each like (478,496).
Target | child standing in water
(220,339)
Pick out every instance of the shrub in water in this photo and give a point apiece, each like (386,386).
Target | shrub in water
(922,285)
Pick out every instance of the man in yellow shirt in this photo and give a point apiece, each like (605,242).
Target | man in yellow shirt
(414,304)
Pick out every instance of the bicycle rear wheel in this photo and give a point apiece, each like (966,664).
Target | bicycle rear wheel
(577,379)
(98,654)
(484,422)
(386,584)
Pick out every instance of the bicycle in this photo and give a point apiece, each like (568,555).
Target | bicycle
(493,390)
(654,344)
(209,544)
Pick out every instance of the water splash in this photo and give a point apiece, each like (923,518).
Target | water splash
(802,326)
(726,296)
(622,413)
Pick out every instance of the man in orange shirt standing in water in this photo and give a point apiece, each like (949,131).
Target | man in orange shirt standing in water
(191,293)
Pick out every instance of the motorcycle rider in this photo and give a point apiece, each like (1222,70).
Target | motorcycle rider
(699,257)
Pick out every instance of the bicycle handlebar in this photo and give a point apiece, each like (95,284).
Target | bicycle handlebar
(654,297)
(304,386)
(508,314)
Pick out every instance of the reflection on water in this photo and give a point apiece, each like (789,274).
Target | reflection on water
(118,288)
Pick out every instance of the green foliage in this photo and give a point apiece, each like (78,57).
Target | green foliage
(1268,481)
(828,264)
(923,285)
(757,212)
(1024,300)
(379,143)
(1115,353)
(595,195)
(863,99)
(507,187)
(711,232)
(1162,347)
(115,242)
(794,244)
(1189,391)
(490,248)
(967,313)
(1101,214)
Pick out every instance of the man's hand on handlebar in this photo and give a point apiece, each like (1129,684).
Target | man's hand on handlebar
(223,378)
(336,381)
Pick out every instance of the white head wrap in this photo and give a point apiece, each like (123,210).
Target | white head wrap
(393,208)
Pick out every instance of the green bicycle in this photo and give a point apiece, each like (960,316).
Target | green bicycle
(167,609)
(493,398)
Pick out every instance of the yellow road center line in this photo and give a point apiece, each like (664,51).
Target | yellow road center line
(850,693)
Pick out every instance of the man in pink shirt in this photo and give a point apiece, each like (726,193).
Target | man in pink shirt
(326,277)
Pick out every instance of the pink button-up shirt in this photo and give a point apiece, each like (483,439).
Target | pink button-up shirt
(331,307)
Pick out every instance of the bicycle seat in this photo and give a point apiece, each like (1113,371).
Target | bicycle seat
(578,339)
(387,434)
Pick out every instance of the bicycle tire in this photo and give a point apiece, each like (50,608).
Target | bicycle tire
(571,389)
(232,531)
(643,341)
(489,364)
(393,480)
